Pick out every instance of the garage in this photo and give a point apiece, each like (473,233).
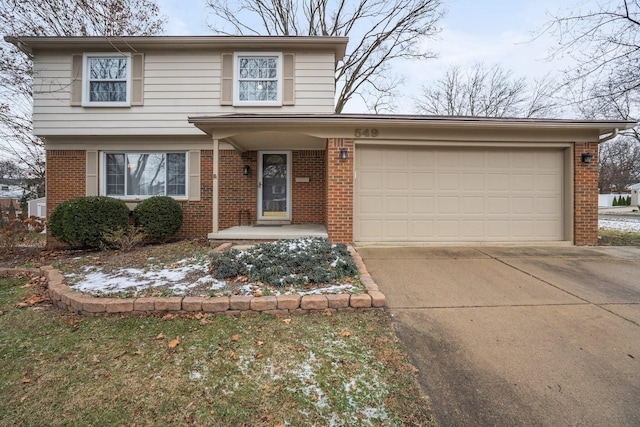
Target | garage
(413,193)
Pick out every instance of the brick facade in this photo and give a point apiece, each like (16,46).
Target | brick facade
(198,215)
(585,193)
(238,193)
(339,192)
(66,179)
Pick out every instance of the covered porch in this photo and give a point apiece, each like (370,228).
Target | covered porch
(270,232)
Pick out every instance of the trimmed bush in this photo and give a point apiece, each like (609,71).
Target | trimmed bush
(159,216)
(287,262)
(84,221)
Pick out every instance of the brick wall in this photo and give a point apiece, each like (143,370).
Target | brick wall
(66,179)
(585,192)
(339,191)
(198,215)
(239,192)
(308,197)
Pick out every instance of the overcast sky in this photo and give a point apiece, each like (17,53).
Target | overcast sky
(488,31)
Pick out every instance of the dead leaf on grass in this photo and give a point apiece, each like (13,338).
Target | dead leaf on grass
(160,336)
(23,398)
(234,338)
(286,321)
(174,343)
(260,343)
(96,359)
(234,356)
(26,380)
(346,333)
(259,356)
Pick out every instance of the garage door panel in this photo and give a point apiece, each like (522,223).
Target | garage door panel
(431,194)
(473,181)
(421,230)
(522,182)
(370,204)
(396,205)
(396,181)
(422,180)
(448,181)
(473,205)
(369,180)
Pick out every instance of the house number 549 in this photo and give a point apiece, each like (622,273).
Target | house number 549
(366,133)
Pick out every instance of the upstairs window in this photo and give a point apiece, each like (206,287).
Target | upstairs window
(137,175)
(258,79)
(107,79)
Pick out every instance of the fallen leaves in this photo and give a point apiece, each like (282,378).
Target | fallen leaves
(26,380)
(174,343)
(346,333)
(286,321)
(234,338)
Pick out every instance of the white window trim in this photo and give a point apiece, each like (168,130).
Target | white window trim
(103,175)
(236,79)
(86,81)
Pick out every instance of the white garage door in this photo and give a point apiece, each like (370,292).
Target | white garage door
(426,194)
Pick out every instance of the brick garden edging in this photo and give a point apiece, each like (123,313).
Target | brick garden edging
(66,298)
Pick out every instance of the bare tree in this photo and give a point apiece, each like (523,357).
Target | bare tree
(380,32)
(487,92)
(619,164)
(109,18)
(605,42)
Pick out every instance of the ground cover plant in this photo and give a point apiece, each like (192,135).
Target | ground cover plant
(340,369)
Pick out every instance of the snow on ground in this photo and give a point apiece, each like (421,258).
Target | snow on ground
(620,224)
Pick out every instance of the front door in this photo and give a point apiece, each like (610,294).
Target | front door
(274,185)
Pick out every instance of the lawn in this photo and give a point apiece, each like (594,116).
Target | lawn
(618,238)
(340,369)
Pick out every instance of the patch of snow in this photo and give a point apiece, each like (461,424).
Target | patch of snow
(620,224)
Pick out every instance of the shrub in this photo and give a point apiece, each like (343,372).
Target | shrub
(159,216)
(15,228)
(124,239)
(287,262)
(85,221)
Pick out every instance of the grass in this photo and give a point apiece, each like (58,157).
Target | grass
(618,238)
(344,369)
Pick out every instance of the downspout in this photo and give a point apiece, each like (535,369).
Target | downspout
(610,136)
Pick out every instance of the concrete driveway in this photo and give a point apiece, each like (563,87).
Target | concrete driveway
(510,336)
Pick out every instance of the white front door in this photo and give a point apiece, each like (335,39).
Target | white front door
(274,185)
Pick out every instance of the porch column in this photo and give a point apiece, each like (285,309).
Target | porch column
(216,172)
(340,181)
(585,191)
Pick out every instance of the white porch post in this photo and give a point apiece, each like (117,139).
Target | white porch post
(216,172)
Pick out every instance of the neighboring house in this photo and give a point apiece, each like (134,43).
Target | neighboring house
(38,207)
(7,203)
(237,127)
(10,188)
(635,188)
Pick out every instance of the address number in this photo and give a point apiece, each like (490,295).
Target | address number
(366,133)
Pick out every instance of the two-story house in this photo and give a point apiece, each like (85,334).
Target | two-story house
(242,130)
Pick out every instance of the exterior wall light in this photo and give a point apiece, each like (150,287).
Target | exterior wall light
(344,154)
(246,169)
(586,158)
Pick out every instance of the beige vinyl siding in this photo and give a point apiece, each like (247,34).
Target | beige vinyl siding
(176,86)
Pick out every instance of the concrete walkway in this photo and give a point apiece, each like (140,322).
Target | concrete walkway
(519,336)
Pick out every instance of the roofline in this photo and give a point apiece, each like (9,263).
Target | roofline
(602,126)
(29,44)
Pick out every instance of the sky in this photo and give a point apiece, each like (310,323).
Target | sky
(488,31)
